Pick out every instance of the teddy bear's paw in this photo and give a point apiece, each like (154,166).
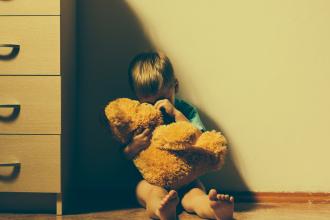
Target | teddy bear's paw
(212,141)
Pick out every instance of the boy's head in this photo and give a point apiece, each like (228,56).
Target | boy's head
(152,78)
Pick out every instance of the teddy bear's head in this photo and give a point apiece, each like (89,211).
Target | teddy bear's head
(130,117)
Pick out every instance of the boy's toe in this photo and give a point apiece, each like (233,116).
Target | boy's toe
(212,194)
(231,199)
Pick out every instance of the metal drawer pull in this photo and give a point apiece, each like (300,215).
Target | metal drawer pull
(15,170)
(16,110)
(13,53)
(10,164)
(10,106)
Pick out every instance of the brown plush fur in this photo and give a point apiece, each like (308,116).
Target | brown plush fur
(178,153)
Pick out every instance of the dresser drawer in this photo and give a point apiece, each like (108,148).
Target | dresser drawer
(30,163)
(30,105)
(30,7)
(29,45)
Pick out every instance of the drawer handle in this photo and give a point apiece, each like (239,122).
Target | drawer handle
(16,109)
(10,106)
(10,164)
(14,173)
(13,53)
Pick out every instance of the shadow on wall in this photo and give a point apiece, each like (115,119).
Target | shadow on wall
(109,35)
(228,179)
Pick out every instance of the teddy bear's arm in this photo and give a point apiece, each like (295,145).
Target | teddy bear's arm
(210,141)
(196,150)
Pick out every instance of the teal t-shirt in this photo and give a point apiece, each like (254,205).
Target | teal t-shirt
(190,112)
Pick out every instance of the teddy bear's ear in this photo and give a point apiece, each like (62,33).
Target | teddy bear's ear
(121,129)
(119,121)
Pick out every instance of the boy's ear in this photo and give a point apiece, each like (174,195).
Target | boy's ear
(176,86)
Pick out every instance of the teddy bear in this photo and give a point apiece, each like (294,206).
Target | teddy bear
(178,152)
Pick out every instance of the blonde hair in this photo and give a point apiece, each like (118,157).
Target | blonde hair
(150,72)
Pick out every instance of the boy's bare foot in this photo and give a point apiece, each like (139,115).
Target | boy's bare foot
(222,205)
(167,208)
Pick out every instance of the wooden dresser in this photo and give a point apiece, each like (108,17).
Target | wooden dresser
(37,97)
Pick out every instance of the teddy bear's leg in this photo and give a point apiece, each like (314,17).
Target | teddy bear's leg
(213,145)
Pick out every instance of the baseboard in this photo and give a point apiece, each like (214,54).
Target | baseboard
(11,202)
(244,197)
(240,196)
(98,200)
(281,197)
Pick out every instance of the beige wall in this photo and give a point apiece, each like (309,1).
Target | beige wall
(260,71)
(257,70)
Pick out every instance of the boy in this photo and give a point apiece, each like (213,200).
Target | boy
(152,79)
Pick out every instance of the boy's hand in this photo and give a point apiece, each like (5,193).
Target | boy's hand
(139,142)
(142,140)
(167,106)
(170,109)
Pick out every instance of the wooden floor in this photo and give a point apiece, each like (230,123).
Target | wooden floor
(269,211)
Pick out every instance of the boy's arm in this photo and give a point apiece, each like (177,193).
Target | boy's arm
(139,143)
(131,150)
(179,116)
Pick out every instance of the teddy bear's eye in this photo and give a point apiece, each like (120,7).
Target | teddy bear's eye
(137,131)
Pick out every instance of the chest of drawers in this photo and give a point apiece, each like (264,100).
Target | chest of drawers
(37,96)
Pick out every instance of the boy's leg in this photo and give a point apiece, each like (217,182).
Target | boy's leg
(211,205)
(159,203)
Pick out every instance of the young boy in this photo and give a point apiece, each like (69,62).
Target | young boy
(152,79)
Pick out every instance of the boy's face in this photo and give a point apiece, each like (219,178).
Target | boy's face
(167,93)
